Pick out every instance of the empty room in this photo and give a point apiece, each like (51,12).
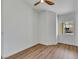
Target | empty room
(39,29)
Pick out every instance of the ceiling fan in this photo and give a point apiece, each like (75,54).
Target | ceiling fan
(49,2)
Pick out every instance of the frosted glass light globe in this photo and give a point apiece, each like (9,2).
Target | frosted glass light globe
(42,1)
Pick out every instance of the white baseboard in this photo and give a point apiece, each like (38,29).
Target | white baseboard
(69,43)
(54,43)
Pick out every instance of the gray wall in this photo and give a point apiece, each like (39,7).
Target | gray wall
(47,27)
(19,23)
(68,39)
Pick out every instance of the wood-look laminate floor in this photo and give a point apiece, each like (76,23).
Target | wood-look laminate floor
(59,51)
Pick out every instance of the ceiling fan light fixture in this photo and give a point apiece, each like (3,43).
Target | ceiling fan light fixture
(42,1)
(49,2)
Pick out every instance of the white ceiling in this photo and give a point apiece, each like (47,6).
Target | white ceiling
(60,7)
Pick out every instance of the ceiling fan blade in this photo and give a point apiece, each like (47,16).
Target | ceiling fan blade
(49,2)
(36,3)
